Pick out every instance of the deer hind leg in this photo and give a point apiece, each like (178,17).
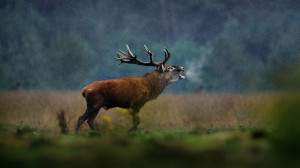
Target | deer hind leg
(94,103)
(91,118)
(135,120)
(81,119)
(90,115)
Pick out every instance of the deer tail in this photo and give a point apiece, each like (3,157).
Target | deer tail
(83,92)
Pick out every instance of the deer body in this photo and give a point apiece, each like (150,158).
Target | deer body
(128,92)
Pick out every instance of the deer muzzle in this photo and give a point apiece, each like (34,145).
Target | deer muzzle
(181,69)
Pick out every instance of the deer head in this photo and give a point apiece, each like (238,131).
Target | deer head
(170,73)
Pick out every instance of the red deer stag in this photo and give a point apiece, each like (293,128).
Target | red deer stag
(129,92)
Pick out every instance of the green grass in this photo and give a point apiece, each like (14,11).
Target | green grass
(138,149)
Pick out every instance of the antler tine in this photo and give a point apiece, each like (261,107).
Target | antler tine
(120,57)
(122,52)
(147,49)
(150,53)
(129,52)
(167,55)
(124,57)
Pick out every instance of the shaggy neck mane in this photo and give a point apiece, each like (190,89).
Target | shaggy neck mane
(156,82)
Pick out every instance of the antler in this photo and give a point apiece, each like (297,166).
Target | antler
(167,55)
(130,59)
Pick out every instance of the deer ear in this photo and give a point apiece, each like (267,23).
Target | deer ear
(162,68)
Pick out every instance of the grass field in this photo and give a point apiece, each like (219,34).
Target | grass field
(208,130)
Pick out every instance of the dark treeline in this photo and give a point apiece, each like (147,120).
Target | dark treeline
(236,46)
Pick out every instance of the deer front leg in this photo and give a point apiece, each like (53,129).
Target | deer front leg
(135,121)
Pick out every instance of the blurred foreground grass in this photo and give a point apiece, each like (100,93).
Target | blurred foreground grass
(140,149)
(207,130)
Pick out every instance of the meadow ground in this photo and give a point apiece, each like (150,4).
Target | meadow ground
(228,130)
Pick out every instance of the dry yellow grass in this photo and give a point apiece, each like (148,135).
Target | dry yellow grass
(189,111)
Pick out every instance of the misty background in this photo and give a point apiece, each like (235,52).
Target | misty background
(226,46)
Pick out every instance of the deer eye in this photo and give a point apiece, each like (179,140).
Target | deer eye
(170,68)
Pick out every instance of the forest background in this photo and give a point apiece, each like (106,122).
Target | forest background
(226,46)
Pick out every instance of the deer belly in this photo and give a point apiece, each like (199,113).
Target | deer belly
(125,101)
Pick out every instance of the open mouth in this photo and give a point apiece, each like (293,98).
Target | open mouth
(181,76)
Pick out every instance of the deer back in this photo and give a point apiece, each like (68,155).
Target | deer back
(128,92)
